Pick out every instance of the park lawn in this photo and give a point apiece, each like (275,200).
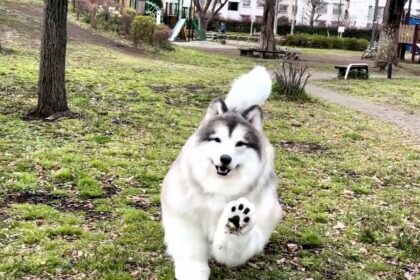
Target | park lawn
(403,93)
(80,197)
(330,52)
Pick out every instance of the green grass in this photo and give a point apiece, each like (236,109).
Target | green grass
(81,196)
(329,52)
(401,93)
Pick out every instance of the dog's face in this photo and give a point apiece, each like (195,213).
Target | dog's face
(228,155)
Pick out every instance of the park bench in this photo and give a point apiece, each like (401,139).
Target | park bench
(264,54)
(354,70)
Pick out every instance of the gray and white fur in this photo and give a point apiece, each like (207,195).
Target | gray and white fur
(219,198)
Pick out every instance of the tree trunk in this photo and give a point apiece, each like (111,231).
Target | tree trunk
(52,97)
(267,41)
(207,11)
(73,4)
(204,24)
(312,19)
(78,10)
(388,40)
(93,16)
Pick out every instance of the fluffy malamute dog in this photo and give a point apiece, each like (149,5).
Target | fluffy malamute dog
(219,198)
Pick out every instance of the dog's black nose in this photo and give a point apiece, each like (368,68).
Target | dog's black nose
(225,159)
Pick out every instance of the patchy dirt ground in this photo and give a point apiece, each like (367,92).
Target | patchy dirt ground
(33,15)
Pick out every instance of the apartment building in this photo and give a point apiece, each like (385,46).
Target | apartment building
(351,13)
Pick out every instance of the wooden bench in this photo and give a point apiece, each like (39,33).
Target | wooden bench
(354,70)
(263,54)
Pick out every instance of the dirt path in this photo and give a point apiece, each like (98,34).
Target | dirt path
(402,119)
(33,14)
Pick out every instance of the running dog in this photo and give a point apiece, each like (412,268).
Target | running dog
(219,198)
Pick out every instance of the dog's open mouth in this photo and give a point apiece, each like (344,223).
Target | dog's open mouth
(222,170)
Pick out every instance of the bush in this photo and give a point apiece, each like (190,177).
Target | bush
(291,77)
(127,19)
(245,27)
(331,31)
(161,37)
(234,26)
(337,43)
(108,18)
(142,30)
(324,42)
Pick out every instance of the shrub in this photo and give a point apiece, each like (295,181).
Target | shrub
(245,27)
(127,19)
(331,31)
(161,37)
(324,42)
(350,44)
(142,30)
(108,20)
(291,77)
(234,26)
(337,43)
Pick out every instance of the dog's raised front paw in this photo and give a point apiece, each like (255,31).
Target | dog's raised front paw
(239,216)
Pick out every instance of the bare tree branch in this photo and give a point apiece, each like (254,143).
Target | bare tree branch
(221,6)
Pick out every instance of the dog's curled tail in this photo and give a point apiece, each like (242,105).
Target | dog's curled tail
(250,89)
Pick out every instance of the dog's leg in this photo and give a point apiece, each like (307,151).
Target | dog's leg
(242,230)
(187,246)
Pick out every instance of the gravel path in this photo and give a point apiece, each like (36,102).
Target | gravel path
(402,119)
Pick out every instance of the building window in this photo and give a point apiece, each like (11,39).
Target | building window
(336,9)
(246,3)
(233,6)
(283,9)
(260,3)
(322,9)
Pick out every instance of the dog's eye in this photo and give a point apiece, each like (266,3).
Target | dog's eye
(216,139)
(240,144)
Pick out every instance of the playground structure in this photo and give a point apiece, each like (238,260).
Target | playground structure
(145,7)
(180,14)
(153,10)
(409,39)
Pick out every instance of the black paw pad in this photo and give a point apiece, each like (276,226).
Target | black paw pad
(233,209)
(235,221)
(246,211)
(246,220)
(241,206)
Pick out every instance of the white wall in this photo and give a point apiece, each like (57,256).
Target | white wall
(252,11)
(358,11)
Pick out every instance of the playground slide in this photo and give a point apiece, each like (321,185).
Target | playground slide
(177,29)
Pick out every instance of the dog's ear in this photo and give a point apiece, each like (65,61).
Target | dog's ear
(254,115)
(216,107)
